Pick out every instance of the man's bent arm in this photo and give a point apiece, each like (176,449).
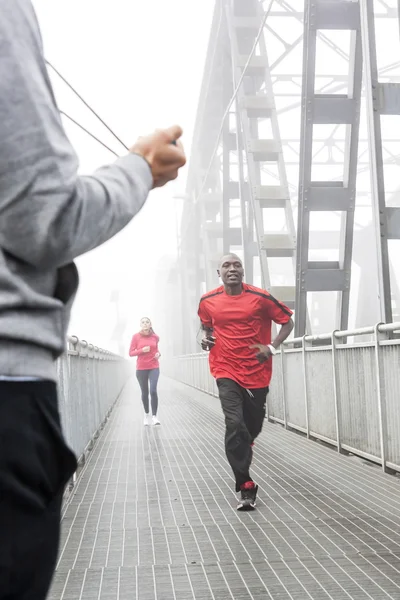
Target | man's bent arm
(43,201)
(208,330)
(283,334)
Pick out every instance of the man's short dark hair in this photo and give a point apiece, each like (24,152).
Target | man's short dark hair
(233,255)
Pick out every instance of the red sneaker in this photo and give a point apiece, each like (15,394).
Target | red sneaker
(248,493)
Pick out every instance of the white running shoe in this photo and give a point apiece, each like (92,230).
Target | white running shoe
(146,421)
(155,420)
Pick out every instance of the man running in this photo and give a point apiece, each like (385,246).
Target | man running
(236,319)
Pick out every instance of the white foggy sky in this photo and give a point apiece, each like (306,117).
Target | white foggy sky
(139,64)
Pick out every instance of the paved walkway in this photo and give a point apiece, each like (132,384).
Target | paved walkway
(153,516)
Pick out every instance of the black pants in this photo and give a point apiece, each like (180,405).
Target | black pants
(144,377)
(35,465)
(244,412)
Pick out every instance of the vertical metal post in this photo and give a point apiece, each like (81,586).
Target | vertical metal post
(398,12)
(381,396)
(336,391)
(304,352)
(350,178)
(192,372)
(316,195)
(226,153)
(283,377)
(374,111)
(303,217)
(243,194)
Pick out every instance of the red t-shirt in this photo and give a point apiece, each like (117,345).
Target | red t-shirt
(145,360)
(238,322)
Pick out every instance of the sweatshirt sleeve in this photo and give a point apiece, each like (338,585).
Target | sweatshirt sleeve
(48,214)
(133,351)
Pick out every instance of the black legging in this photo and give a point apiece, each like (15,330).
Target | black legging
(143,378)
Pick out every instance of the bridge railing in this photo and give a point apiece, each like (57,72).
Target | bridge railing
(90,381)
(345,394)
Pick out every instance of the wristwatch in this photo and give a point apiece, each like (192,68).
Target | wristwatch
(273,350)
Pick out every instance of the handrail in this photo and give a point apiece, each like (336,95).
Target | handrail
(90,380)
(79,346)
(343,394)
(382,328)
(321,337)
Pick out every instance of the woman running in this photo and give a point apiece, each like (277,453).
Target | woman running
(144,345)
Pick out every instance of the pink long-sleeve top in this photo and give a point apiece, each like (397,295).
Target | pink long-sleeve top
(145,360)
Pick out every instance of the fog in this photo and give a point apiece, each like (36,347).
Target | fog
(140,69)
(139,65)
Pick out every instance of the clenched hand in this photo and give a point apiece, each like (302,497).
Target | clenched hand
(164,153)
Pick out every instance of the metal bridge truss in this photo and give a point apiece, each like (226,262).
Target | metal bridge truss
(316,195)
(251,171)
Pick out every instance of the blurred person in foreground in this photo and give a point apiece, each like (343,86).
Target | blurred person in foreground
(144,345)
(237,319)
(48,216)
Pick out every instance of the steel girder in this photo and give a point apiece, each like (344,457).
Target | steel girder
(382,99)
(206,227)
(195,247)
(259,146)
(318,196)
(234,200)
(228,202)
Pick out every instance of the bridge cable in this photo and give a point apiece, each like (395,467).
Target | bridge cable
(87,106)
(88,132)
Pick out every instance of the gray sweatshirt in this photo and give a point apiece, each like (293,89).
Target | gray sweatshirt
(48,214)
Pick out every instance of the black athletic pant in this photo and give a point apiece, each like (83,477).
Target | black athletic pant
(35,465)
(144,377)
(244,412)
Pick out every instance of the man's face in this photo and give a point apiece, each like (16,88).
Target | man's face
(231,270)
